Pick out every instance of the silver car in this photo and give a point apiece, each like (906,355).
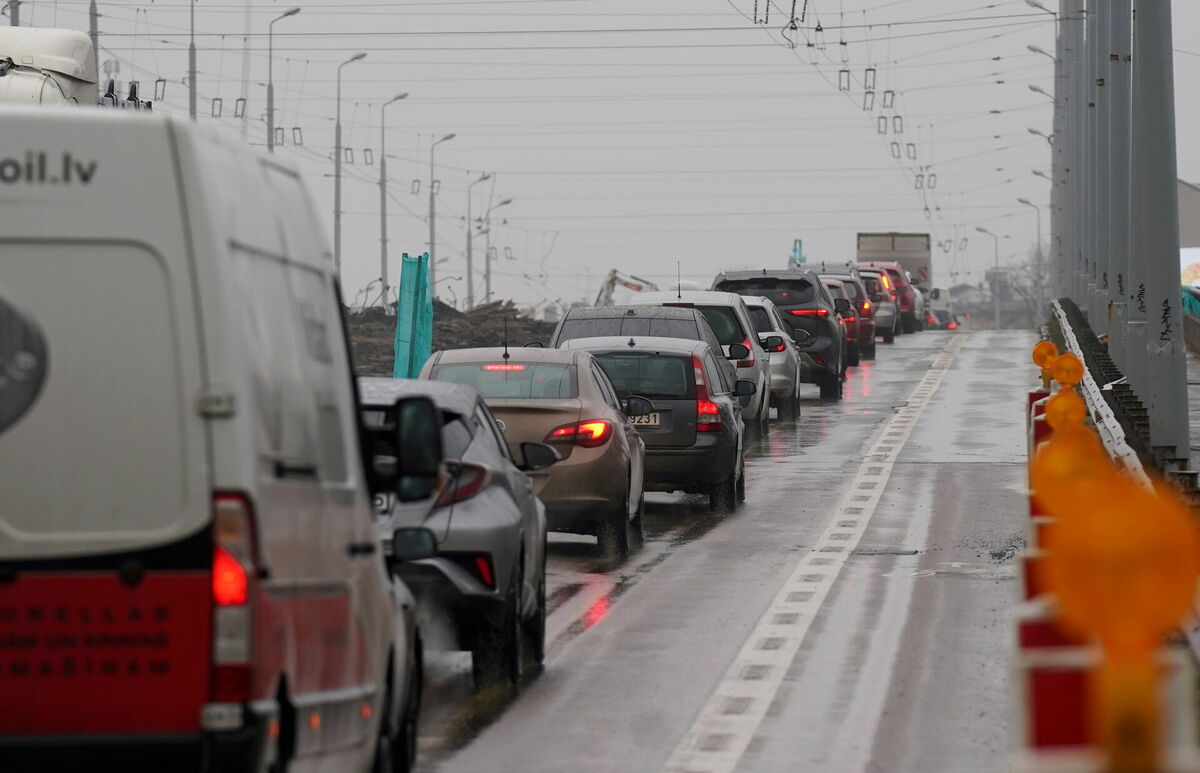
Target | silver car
(887,321)
(489,574)
(729,318)
(785,368)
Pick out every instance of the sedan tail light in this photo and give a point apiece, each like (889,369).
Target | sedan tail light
(865,308)
(592,433)
(465,481)
(234,573)
(952,326)
(749,361)
(809,312)
(708,413)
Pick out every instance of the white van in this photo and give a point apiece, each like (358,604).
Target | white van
(40,66)
(190,578)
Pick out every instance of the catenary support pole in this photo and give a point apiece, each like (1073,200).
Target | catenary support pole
(94,34)
(192,60)
(1158,232)
(1101,161)
(1119,117)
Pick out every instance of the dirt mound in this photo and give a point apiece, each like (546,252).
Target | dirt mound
(373,333)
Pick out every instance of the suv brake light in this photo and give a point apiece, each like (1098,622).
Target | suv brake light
(592,433)
(465,481)
(809,312)
(708,413)
(234,572)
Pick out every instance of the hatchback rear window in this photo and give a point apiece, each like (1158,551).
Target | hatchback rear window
(513,380)
(649,375)
(724,323)
(762,320)
(782,292)
(589,328)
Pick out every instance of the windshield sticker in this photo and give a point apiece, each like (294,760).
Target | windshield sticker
(23,361)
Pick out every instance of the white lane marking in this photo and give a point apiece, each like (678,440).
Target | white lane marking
(726,724)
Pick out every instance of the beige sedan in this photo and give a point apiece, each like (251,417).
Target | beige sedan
(564,398)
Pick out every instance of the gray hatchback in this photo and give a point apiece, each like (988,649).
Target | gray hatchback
(694,436)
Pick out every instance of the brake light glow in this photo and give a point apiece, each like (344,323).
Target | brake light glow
(466,480)
(778,348)
(509,367)
(887,282)
(229,582)
(865,308)
(952,326)
(483,568)
(809,312)
(818,359)
(749,361)
(588,434)
(930,320)
(708,413)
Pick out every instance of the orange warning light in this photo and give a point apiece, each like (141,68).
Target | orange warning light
(1065,409)
(1067,370)
(1044,354)
(1065,466)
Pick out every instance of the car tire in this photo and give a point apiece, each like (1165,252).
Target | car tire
(741,481)
(497,658)
(852,356)
(889,336)
(534,628)
(831,387)
(612,533)
(637,525)
(396,750)
(909,325)
(722,498)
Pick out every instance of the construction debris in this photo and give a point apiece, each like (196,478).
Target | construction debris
(373,332)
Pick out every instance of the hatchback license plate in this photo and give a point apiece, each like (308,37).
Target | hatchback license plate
(649,420)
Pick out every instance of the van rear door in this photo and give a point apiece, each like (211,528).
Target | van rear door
(105,550)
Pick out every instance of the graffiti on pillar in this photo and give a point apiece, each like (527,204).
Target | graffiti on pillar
(1120,284)
(1141,299)
(1167,328)
(1104,280)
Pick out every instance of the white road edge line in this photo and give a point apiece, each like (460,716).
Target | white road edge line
(729,719)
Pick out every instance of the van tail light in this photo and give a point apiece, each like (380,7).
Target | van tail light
(234,574)
(708,413)
(465,481)
(592,433)
(749,361)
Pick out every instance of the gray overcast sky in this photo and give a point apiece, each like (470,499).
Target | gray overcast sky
(633,134)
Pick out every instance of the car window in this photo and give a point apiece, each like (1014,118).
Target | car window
(607,387)
(589,328)
(781,292)
(762,320)
(874,286)
(835,291)
(486,423)
(512,380)
(649,375)
(716,377)
(596,376)
(780,324)
(671,328)
(851,290)
(456,435)
(724,322)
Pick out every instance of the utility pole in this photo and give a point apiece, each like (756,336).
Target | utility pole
(94,34)
(995,277)
(433,213)
(1037,265)
(383,259)
(337,169)
(14,12)
(1154,156)
(1101,163)
(192,61)
(487,272)
(1119,117)
(271,77)
(470,234)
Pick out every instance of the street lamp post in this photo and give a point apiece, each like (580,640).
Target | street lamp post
(271,77)
(1037,266)
(383,260)
(487,274)
(191,58)
(1039,133)
(995,276)
(337,169)
(433,213)
(470,228)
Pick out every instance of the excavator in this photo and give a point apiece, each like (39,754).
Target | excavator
(614,278)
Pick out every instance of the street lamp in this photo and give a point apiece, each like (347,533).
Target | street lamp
(1036,89)
(1042,51)
(383,267)
(433,212)
(470,226)
(1040,173)
(337,169)
(995,276)
(1040,7)
(487,258)
(271,77)
(1037,268)
(1039,133)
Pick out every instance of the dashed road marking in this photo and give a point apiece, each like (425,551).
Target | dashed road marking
(726,724)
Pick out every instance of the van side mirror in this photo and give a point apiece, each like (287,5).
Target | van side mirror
(842,307)
(738,352)
(744,388)
(538,456)
(412,544)
(409,461)
(636,405)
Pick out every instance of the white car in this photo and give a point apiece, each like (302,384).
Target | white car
(730,320)
(186,537)
(785,369)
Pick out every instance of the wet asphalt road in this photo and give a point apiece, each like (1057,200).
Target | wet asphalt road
(904,664)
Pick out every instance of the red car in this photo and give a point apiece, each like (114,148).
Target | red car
(862,328)
(906,296)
